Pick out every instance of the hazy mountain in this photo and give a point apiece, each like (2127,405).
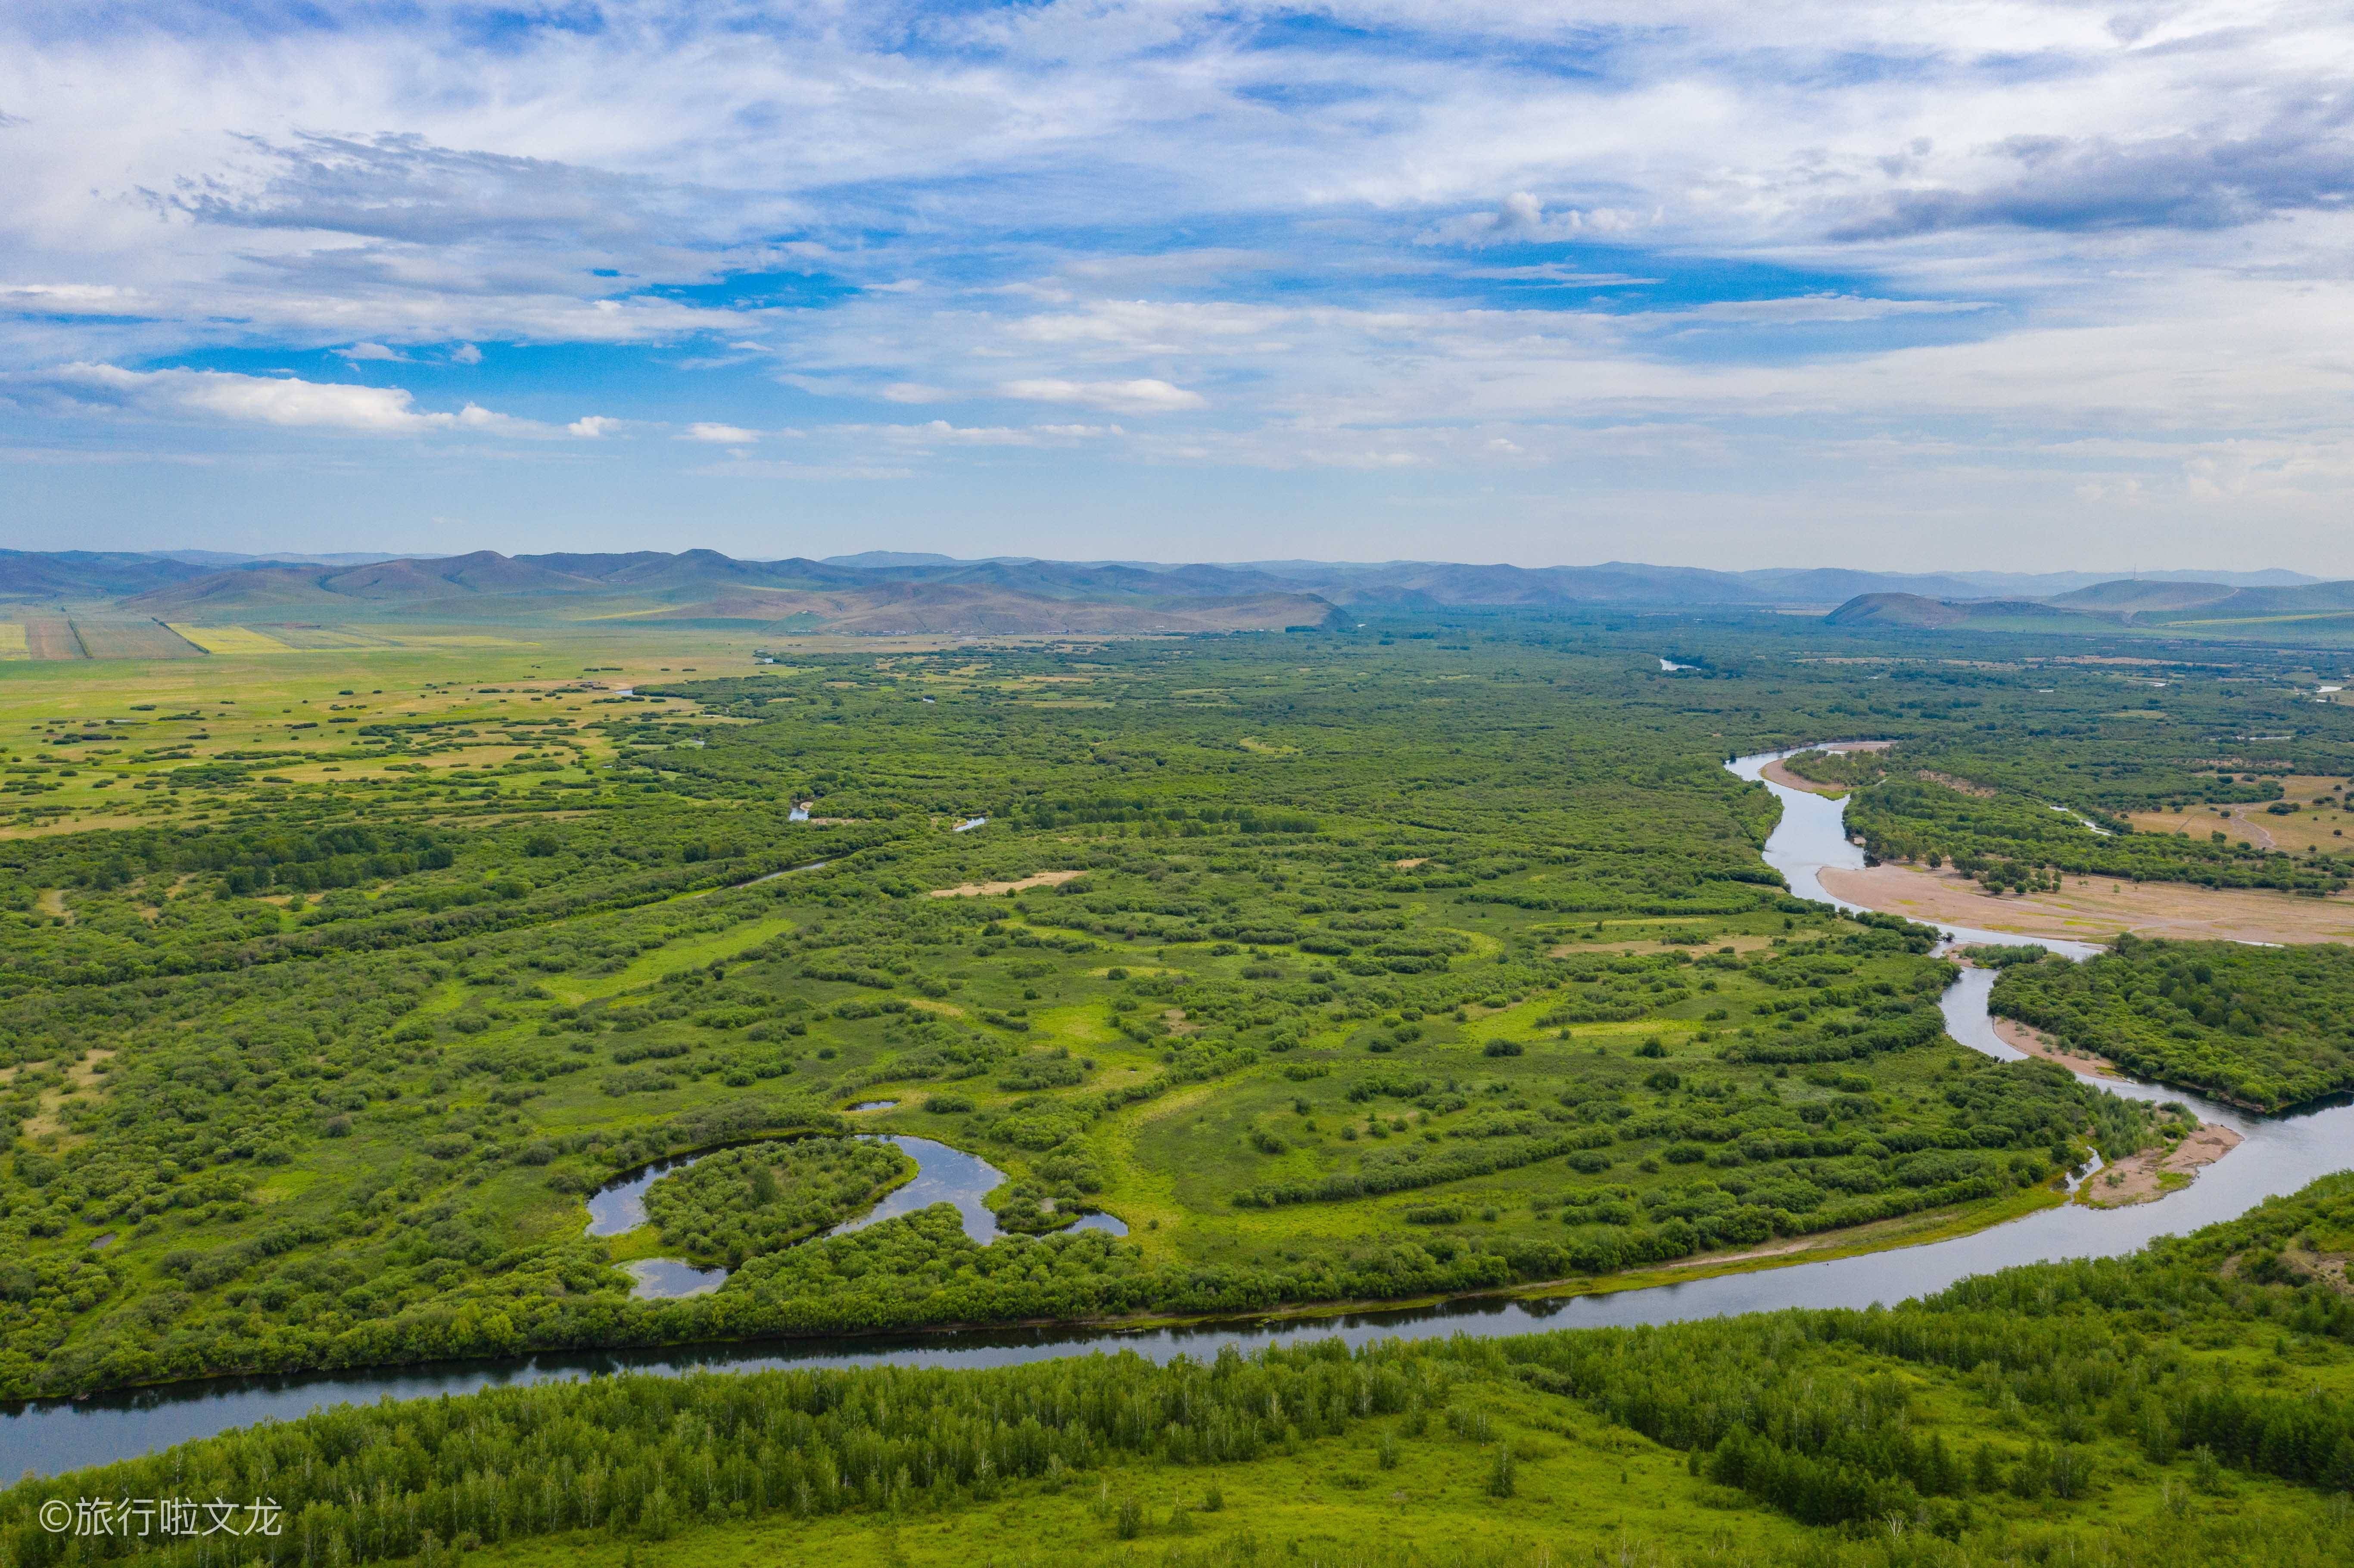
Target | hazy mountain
(2144,594)
(220,558)
(924,592)
(870,559)
(1899,609)
(85,574)
(706,586)
(2041,584)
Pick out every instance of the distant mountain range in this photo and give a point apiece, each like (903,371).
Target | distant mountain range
(2304,610)
(882,590)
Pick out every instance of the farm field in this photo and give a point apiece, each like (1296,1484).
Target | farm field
(230,638)
(50,636)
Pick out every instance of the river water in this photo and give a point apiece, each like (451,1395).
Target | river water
(2277,1155)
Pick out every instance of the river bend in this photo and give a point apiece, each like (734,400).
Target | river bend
(2276,1155)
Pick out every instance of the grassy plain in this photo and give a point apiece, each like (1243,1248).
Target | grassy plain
(320,1042)
(1342,969)
(1337,968)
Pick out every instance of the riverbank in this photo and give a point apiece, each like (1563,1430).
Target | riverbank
(2096,909)
(1919,1255)
(1855,1241)
(1774,772)
(2146,1176)
(2032,1041)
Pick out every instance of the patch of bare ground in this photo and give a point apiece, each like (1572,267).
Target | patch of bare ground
(1780,775)
(2035,1043)
(2329,1267)
(987,889)
(82,1078)
(1739,944)
(1410,864)
(2143,1178)
(1962,785)
(2095,909)
(2320,823)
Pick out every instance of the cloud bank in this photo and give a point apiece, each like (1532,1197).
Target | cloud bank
(1682,260)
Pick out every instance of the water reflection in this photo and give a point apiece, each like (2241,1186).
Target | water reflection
(670,1278)
(619,1206)
(943,1175)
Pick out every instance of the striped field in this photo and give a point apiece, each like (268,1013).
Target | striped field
(132,638)
(231,639)
(51,637)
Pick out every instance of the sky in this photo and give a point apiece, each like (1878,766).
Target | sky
(2009,284)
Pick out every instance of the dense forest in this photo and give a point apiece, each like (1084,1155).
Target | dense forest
(2265,1027)
(2193,1401)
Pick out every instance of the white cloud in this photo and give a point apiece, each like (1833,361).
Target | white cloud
(592,427)
(70,299)
(761,468)
(254,400)
(1520,219)
(2120,222)
(284,401)
(939,432)
(1146,395)
(721,435)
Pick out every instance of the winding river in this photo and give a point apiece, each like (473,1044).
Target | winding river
(2276,1155)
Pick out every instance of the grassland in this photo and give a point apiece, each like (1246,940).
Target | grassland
(325,1039)
(1343,969)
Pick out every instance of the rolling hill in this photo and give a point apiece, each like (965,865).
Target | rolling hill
(706,587)
(882,590)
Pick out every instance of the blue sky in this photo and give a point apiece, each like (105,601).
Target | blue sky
(2009,284)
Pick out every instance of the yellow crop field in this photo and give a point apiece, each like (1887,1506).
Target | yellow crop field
(12,640)
(230,638)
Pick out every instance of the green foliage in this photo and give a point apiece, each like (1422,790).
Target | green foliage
(2262,1026)
(2022,844)
(2033,1410)
(1337,902)
(742,1202)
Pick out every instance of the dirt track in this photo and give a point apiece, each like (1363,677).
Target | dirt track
(2095,909)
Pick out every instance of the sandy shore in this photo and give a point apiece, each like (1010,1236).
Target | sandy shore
(2035,1043)
(2095,909)
(2138,1179)
(1776,773)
